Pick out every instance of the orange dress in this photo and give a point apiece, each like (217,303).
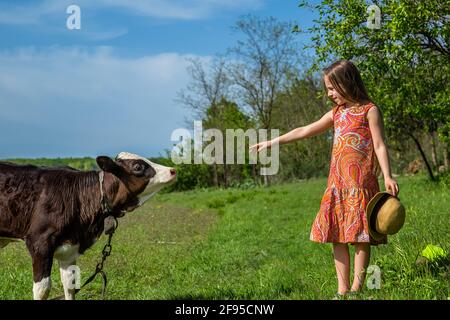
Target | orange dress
(352,181)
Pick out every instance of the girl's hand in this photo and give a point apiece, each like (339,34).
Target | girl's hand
(391,186)
(260,146)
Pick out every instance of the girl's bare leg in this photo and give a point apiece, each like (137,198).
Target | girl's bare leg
(362,257)
(342,263)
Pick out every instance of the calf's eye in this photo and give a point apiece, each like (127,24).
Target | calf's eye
(138,169)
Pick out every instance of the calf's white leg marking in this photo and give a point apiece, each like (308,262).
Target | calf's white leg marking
(41,289)
(69,278)
(67,255)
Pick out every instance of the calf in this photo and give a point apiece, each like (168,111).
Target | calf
(59,212)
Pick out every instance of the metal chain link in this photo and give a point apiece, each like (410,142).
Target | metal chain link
(106,252)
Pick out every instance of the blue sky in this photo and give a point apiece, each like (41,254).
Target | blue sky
(110,86)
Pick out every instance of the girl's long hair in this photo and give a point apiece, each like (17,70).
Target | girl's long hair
(346,80)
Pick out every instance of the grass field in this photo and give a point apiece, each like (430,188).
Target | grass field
(247,244)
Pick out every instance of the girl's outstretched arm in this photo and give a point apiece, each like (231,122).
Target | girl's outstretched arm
(310,130)
(377,131)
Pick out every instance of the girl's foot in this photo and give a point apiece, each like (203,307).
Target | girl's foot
(339,296)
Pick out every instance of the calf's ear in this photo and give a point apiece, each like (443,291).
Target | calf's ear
(108,165)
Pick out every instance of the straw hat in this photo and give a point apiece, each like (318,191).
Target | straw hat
(385,215)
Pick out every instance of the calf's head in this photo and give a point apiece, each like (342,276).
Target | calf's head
(138,177)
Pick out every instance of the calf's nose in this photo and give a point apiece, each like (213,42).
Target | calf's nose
(173,172)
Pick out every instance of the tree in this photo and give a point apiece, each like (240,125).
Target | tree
(210,83)
(207,88)
(222,116)
(264,61)
(207,97)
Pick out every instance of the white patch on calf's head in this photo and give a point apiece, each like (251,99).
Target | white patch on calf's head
(129,156)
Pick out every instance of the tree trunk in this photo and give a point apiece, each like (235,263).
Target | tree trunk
(446,155)
(266,180)
(215,175)
(255,169)
(225,176)
(433,150)
(430,171)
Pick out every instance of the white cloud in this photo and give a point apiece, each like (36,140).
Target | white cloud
(105,35)
(31,14)
(75,101)
(175,9)
(182,9)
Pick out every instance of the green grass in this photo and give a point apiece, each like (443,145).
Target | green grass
(247,244)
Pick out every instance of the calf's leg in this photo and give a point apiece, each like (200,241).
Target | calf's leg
(70,278)
(42,258)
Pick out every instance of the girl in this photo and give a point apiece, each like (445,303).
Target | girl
(352,182)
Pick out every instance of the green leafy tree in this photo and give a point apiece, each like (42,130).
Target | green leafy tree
(222,116)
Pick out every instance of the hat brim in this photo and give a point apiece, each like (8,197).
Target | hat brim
(373,206)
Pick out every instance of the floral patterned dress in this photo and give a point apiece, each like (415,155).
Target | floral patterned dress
(352,181)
